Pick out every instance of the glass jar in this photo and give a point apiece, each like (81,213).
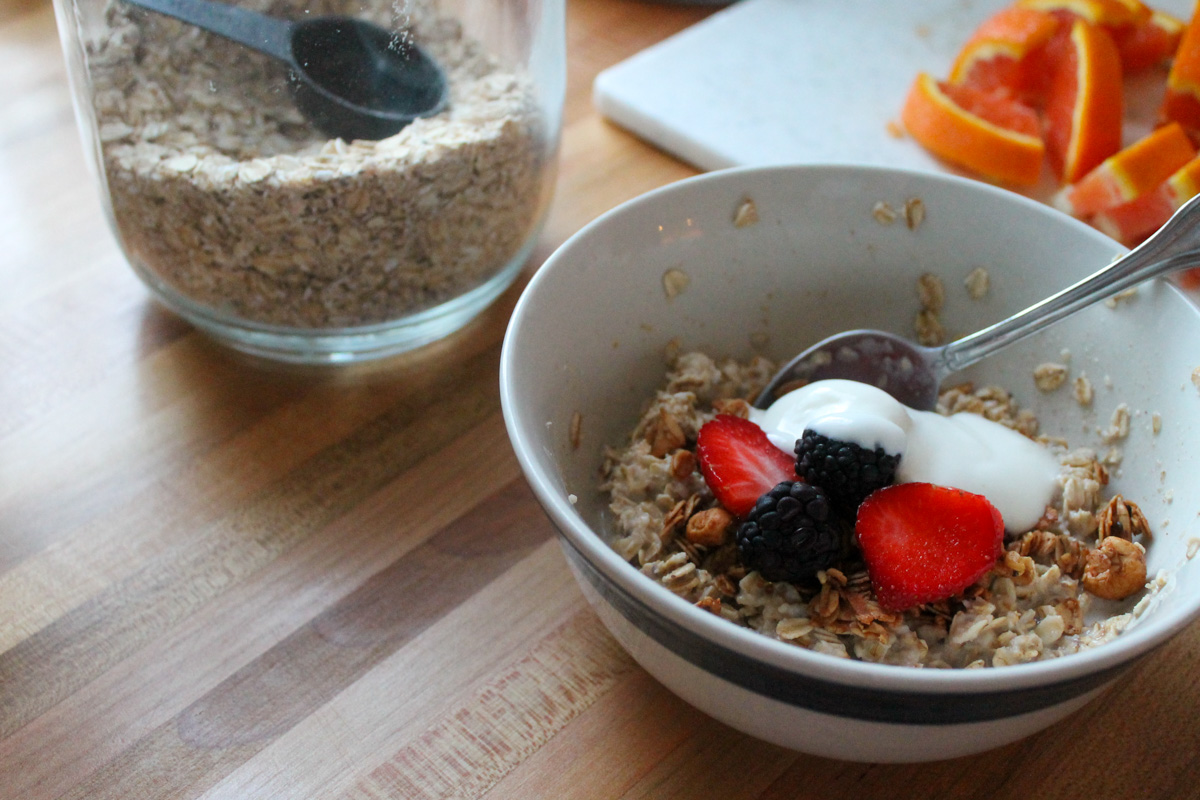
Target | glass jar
(243,216)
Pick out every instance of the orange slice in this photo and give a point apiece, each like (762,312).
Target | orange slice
(1149,43)
(1110,14)
(989,133)
(1181,102)
(995,56)
(1130,223)
(1133,25)
(1085,103)
(1130,173)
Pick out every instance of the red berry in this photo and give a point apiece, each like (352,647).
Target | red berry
(739,463)
(924,543)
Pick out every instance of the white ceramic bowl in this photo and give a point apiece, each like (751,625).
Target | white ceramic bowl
(588,337)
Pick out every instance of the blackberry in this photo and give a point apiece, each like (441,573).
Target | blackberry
(846,471)
(791,533)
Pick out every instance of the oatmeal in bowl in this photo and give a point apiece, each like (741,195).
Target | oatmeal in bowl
(665,315)
(796,535)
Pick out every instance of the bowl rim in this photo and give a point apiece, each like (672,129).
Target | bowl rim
(1148,634)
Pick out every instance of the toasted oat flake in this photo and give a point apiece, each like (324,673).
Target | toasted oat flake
(978,283)
(746,214)
(1049,376)
(894,129)
(931,292)
(884,213)
(1196,377)
(914,212)
(1156,422)
(674,281)
(1128,294)
(574,432)
(1118,426)
(929,328)
(1084,393)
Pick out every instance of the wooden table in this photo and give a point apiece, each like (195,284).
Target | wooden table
(228,579)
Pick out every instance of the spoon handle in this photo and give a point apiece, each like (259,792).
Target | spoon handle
(1174,247)
(268,35)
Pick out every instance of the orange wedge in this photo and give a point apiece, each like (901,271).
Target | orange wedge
(1111,14)
(1135,170)
(1130,223)
(1150,42)
(995,57)
(1143,36)
(1085,104)
(1181,102)
(989,133)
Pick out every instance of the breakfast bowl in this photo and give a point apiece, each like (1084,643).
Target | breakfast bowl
(763,262)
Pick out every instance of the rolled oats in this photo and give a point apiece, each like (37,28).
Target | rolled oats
(931,292)
(1126,295)
(914,212)
(1118,426)
(226,196)
(929,328)
(1084,393)
(1049,376)
(674,281)
(746,214)
(884,213)
(978,283)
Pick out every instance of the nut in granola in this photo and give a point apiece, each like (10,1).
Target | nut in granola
(709,528)
(1124,519)
(1115,569)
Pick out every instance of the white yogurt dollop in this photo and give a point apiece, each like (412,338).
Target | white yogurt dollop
(964,451)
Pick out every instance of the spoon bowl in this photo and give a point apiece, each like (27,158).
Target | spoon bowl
(351,78)
(913,374)
(354,79)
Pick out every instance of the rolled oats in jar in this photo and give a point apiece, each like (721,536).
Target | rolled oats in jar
(245,218)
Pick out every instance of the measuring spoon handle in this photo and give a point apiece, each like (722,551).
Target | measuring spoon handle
(1174,247)
(268,35)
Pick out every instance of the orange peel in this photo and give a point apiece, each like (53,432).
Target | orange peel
(995,136)
(1130,173)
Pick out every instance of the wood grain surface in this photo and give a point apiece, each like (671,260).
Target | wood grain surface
(224,578)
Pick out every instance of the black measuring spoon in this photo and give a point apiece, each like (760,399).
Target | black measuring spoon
(351,78)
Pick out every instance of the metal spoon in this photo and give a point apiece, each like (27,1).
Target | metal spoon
(912,373)
(350,78)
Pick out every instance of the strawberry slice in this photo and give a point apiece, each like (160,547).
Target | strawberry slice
(739,463)
(924,543)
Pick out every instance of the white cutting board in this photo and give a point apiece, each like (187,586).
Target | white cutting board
(804,81)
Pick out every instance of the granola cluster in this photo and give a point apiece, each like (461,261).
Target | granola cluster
(1032,605)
